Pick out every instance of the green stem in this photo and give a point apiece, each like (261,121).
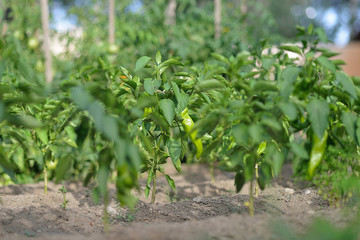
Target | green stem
(106,214)
(256,180)
(153,189)
(45,180)
(251,200)
(212,172)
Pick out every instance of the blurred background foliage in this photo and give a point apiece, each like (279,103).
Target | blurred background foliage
(80,27)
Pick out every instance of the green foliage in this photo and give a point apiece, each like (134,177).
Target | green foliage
(108,116)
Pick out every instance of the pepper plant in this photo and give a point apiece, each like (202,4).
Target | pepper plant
(165,125)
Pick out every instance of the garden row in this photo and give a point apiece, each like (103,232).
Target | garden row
(248,114)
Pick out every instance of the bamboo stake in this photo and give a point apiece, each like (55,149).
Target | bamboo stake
(46,35)
(111,22)
(217,18)
(170,13)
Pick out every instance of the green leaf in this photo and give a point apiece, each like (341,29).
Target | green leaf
(358,131)
(8,167)
(141,63)
(24,121)
(239,181)
(167,106)
(322,35)
(63,167)
(261,86)
(72,135)
(111,129)
(150,177)
(294,49)
(326,63)
(169,62)
(210,84)
(267,63)
(265,175)
(318,111)
(288,76)
(174,148)
(289,109)
(158,57)
(256,133)
(299,150)
(102,179)
(147,191)
(2,111)
(42,135)
(182,102)
(176,89)
(241,134)
(349,121)
(170,182)
(220,58)
(151,85)
(81,97)
(347,83)
(271,123)
(261,149)
(159,120)
(274,157)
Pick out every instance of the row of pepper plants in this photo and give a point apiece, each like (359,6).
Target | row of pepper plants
(247,114)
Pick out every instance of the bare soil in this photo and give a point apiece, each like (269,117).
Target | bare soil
(199,209)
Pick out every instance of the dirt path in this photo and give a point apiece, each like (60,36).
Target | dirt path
(199,209)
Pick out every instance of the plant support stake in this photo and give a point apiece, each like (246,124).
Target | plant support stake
(46,34)
(111,22)
(217,18)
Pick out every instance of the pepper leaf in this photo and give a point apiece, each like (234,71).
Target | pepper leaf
(318,111)
(174,148)
(141,63)
(167,106)
(347,83)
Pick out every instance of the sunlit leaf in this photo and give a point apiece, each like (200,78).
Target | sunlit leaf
(347,83)
(141,63)
(289,48)
(326,63)
(318,111)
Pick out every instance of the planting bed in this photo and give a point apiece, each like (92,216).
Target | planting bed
(199,209)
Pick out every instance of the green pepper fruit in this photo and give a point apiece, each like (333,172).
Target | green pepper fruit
(317,153)
(188,125)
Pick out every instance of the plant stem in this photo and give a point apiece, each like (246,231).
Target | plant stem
(45,180)
(251,200)
(212,171)
(106,214)
(153,188)
(256,181)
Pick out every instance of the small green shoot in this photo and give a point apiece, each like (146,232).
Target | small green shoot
(63,191)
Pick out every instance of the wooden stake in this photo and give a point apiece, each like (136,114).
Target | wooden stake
(46,35)
(217,18)
(170,13)
(111,22)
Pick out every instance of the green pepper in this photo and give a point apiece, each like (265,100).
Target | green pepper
(188,125)
(317,152)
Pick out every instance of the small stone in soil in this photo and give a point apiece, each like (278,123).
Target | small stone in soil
(111,210)
(198,200)
(289,190)
(307,192)
(309,202)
